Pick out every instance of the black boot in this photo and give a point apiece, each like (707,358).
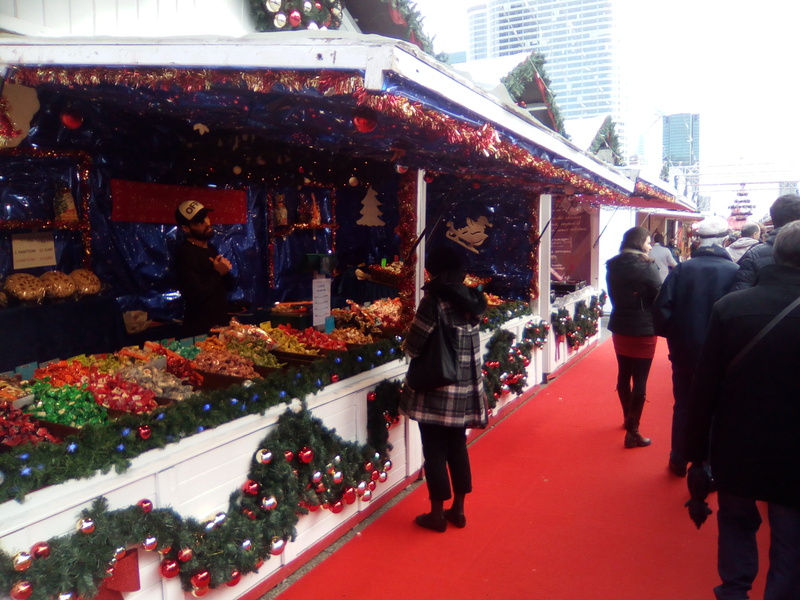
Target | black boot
(624,400)
(634,439)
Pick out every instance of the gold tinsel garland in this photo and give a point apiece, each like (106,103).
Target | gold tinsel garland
(649,191)
(482,140)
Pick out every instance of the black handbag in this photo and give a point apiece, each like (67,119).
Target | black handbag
(437,366)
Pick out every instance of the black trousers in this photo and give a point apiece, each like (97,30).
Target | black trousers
(445,448)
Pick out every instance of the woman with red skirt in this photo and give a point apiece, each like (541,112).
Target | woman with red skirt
(633,283)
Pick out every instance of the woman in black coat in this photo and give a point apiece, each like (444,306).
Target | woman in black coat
(633,284)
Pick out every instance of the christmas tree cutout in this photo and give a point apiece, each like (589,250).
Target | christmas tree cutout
(370,213)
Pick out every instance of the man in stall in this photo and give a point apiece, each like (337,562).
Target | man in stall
(204,275)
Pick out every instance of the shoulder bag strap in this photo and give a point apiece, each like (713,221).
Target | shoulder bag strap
(759,336)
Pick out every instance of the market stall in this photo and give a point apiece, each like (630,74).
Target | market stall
(324,155)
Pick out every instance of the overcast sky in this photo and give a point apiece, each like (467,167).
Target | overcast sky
(733,62)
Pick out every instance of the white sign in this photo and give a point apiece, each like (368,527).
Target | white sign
(321,300)
(33,250)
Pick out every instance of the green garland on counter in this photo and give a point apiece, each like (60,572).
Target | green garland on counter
(505,366)
(496,316)
(300,466)
(99,448)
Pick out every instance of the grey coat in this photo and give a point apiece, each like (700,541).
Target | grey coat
(463,404)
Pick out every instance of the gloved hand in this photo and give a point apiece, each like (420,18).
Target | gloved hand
(698,480)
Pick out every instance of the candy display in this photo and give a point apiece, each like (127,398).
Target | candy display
(67,405)
(473,281)
(17,427)
(238,332)
(386,312)
(352,336)
(12,388)
(118,393)
(285,341)
(57,285)
(24,288)
(226,363)
(65,372)
(86,282)
(493,300)
(311,338)
(258,352)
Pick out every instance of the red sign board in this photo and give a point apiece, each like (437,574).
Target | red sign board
(156,203)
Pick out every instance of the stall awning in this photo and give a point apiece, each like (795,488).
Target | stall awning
(364,95)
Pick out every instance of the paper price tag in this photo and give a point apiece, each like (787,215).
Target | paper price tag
(321,301)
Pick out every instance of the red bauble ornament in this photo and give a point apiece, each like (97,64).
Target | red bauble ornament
(199,592)
(71,119)
(368,466)
(40,550)
(371,485)
(150,543)
(185,554)
(397,17)
(334,378)
(295,18)
(277,547)
(146,505)
(365,120)
(371,396)
(169,569)
(337,507)
(236,576)
(145,431)
(201,579)
(249,514)
(288,455)
(251,488)
(306,455)
(374,475)
(22,560)
(349,495)
(312,507)
(21,590)
(85,526)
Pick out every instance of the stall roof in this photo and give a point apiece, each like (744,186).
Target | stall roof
(424,108)
(655,194)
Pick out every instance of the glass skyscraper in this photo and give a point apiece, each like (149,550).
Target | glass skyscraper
(578,40)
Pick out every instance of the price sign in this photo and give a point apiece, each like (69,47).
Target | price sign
(33,250)
(321,300)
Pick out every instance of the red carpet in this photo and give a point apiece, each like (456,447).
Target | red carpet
(560,511)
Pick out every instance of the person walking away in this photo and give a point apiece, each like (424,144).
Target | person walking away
(204,276)
(681,313)
(633,283)
(784,210)
(750,235)
(662,256)
(744,418)
(445,413)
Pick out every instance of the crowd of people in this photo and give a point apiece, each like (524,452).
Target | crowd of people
(729,315)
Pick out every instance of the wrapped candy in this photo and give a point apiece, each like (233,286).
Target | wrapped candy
(17,427)
(66,405)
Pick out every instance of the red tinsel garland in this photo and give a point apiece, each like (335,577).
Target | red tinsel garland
(7,131)
(406,230)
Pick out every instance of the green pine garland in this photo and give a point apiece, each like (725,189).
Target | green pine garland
(536,333)
(505,366)
(496,316)
(300,466)
(525,73)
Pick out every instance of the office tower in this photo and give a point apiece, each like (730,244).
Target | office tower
(681,137)
(578,40)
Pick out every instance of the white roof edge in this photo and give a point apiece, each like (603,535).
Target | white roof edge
(373,54)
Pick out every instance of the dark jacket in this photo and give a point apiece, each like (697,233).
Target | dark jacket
(755,259)
(204,291)
(683,306)
(749,417)
(463,404)
(633,282)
